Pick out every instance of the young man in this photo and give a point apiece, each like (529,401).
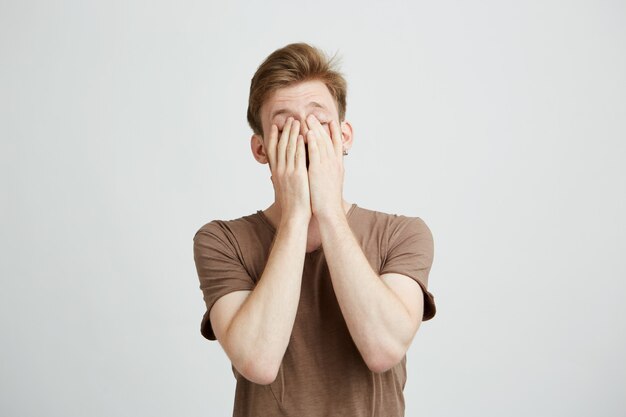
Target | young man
(315,300)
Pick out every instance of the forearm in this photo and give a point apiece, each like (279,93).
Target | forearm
(260,331)
(378,322)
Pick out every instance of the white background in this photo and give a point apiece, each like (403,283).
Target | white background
(502,124)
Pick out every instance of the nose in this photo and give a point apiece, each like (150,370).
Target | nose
(303,126)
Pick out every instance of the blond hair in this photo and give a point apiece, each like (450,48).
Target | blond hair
(289,65)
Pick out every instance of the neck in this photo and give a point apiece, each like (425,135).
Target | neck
(274,214)
(314,239)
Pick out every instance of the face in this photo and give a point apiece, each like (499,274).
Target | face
(298,101)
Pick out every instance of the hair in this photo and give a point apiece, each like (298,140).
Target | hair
(290,65)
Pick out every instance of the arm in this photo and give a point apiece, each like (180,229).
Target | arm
(380,323)
(256,338)
(258,335)
(381,326)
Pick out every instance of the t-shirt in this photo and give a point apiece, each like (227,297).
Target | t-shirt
(322,372)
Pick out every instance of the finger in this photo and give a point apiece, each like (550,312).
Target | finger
(335,133)
(326,142)
(270,146)
(312,121)
(315,125)
(314,150)
(291,145)
(281,158)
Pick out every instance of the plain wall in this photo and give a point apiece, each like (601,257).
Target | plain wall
(502,124)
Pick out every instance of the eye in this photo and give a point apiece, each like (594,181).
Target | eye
(323,119)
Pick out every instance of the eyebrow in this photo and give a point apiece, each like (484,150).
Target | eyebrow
(282,111)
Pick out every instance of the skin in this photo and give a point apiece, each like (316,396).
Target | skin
(383,313)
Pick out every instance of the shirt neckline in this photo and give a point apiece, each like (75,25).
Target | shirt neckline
(266,221)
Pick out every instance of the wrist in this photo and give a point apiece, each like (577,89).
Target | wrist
(331,218)
(296,220)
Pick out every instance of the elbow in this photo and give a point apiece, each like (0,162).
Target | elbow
(384,360)
(381,366)
(386,357)
(254,367)
(257,372)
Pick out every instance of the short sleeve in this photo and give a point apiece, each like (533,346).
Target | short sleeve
(410,252)
(219,268)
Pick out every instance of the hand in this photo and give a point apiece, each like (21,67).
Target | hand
(287,159)
(326,169)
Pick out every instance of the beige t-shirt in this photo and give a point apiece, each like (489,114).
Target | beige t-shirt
(322,372)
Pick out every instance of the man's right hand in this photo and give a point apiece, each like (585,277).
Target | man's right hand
(255,326)
(287,159)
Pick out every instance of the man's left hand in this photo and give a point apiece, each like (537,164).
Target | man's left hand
(326,169)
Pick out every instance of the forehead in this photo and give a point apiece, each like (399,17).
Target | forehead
(298,97)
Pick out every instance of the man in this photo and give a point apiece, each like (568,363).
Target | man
(314,300)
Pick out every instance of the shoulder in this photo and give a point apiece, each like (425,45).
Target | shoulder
(247,235)
(230,227)
(392,223)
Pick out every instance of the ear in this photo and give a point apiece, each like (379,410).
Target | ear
(258,148)
(347,134)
